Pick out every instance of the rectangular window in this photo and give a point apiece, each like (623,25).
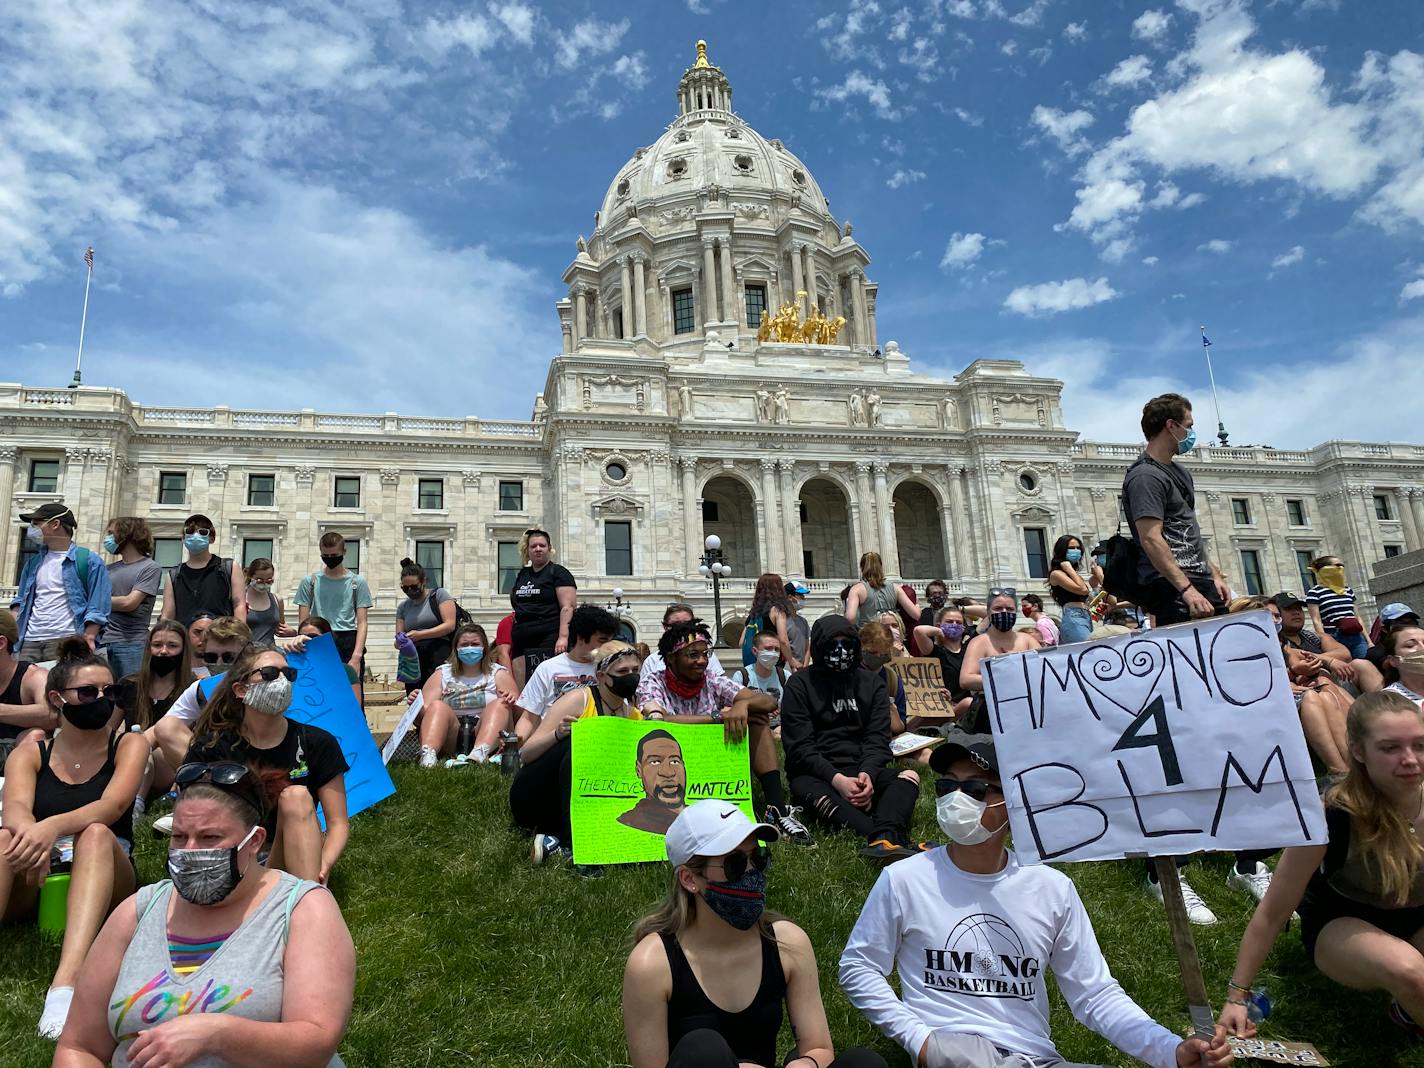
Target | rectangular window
(23,556)
(1382,510)
(1391,551)
(256,549)
(168,552)
(511,496)
(684,315)
(509,564)
(1121,510)
(1251,571)
(1302,566)
(1295,512)
(172,487)
(618,323)
(617,548)
(808,563)
(756,305)
(803,512)
(44,476)
(431,494)
(347,493)
(261,491)
(431,556)
(1241,511)
(709,511)
(353,555)
(1036,549)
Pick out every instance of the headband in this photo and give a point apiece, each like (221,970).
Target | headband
(695,636)
(612,658)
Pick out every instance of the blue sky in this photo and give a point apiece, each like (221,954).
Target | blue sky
(366,205)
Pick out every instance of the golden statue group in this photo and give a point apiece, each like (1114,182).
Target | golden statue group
(786,325)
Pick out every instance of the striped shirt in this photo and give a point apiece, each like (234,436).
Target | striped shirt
(1332,606)
(190,954)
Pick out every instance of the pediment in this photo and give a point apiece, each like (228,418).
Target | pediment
(617,506)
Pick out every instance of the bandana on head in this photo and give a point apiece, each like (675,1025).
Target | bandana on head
(613,658)
(695,636)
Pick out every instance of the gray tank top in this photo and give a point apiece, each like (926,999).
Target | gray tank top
(876,601)
(264,623)
(244,976)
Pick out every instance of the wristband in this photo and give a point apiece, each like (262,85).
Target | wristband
(1232,985)
(1233,1001)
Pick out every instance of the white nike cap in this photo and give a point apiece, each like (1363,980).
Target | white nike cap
(712,828)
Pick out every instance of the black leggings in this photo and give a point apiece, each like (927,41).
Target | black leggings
(539,796)
(706,1048)
(891,806)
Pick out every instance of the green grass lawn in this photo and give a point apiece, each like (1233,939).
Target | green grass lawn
(467,955)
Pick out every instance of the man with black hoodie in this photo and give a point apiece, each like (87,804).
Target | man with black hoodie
(835,728)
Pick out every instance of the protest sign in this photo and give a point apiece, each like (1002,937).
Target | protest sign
(322,697)
(1180,740)
(402,726)
(925,694)
(1264,1049)
(632,777)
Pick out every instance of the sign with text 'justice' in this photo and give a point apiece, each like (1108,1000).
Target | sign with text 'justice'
(1183,739)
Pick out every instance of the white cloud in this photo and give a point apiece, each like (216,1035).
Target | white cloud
(1151,25)
(1290,257)
(1075,31)
(1050,298)
(900,23)
(1412,290)
(1009,47)
(858,84)
(1130,72)
(968,117)
(518,20)
(904,177)
(923,58)
(1063,126)
(962,250)
(961,9)
(1215,245)
(1149,261)
(587,38)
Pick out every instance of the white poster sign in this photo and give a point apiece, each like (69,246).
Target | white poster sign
(1182,739)
(393,742)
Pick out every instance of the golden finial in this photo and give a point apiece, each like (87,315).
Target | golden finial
(702,55)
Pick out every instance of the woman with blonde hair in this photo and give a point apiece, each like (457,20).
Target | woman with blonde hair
(543,597)
(1360,895)
(874,594)
(470,685)
(722,1015)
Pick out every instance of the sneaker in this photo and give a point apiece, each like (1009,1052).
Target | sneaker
(1197,911)
(163,825)
(924,847)
(546,846)
(428,757)
(1404,1021)
(480,754)
(791,828)
(56,1011)
(459,760)
(886,851)
(1255,882)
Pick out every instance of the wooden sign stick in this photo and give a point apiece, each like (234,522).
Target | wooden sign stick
(1198,1007)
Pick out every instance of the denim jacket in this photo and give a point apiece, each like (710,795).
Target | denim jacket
(86,606)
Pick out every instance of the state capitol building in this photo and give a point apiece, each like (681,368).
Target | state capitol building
(674,412)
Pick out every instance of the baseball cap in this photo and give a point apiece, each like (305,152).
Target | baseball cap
(959,744)
(712,828)
(798,588)
(1287,600)
(1396,610)
(45,512)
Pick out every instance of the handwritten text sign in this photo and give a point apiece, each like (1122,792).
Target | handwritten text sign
(1261,1049)
(1181,740)
(632,777)
(925,695)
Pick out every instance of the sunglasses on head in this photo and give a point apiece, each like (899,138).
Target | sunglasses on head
(220,658)
(734,864)
(270,673)
(91,693)
(223,773)
(975,788)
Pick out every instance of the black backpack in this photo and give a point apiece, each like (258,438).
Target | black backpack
(1120,568)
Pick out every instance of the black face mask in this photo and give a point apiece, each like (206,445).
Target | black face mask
(89,715)
(624,686)
(843,654)
(333,561)
(163,666)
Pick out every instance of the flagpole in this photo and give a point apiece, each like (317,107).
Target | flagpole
(84,317)
(1215,400)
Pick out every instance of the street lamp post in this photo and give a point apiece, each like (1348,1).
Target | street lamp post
(711,566)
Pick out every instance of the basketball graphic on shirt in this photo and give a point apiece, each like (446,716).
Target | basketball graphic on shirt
(983,957)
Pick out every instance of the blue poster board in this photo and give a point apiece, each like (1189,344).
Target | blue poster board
(322,697)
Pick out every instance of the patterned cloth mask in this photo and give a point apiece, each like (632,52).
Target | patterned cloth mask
(206,876)
(273,697)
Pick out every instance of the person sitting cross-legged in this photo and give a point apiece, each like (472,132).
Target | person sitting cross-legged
(835,727)
(971,934)
(470,686)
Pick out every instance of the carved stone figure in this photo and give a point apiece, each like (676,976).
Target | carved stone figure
(782,401)
(857,409)
(763,399)
(684,401)
(872,408)
(950,413)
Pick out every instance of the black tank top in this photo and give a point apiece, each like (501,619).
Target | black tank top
(752,1032)
(1063,597)
(11,696)
(54,796)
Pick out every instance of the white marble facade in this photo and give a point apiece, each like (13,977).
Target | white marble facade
(664,419)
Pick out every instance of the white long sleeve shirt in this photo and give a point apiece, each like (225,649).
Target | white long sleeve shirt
(972,950)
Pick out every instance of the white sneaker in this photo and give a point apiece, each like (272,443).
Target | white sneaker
(1197,910)
(56,1011)
(480,754)
(163,825)
(1255,882)
(428,757)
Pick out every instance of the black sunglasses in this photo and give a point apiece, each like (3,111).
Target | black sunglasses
(270,673)
(975,788)
(223,773)
(735,864)
(220,658)
(91,693)
(407,589)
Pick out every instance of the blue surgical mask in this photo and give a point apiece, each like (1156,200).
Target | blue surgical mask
(470,654)
(1188,443)
(195,543)
(1074,555)
(111,545)
(1101,559)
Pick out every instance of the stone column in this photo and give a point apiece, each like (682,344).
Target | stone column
(796,280)
(790,517)
(1416,509)
(691,515)
(580,313)
(8,454)
(729,296)
(870,318)
(709,282)
(857,292)
(625,283)
(887,551)
(640,292)
(810,272)
(956,518)
(865,526)
(772,525)
(665,309)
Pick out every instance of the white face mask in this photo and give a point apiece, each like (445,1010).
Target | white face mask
(273,698)
(768,657)
(261,587)
(960,818)
(35,535)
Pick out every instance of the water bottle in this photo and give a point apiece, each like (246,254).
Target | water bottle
(467,735)
(509,761)
(1258,1005)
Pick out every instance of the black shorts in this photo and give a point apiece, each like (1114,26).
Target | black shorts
(346,646)
(1321,904)
(1167,606)
(538,637)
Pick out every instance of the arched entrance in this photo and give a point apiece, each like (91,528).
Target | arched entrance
(729,512)
(826,546)
(919,533)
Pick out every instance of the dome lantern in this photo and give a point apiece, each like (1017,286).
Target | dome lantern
(703,87)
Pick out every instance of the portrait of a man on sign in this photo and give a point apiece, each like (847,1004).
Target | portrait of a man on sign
(663,773)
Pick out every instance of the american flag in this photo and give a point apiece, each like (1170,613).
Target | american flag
(89,257)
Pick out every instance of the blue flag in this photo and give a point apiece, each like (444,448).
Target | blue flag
(1205,343)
